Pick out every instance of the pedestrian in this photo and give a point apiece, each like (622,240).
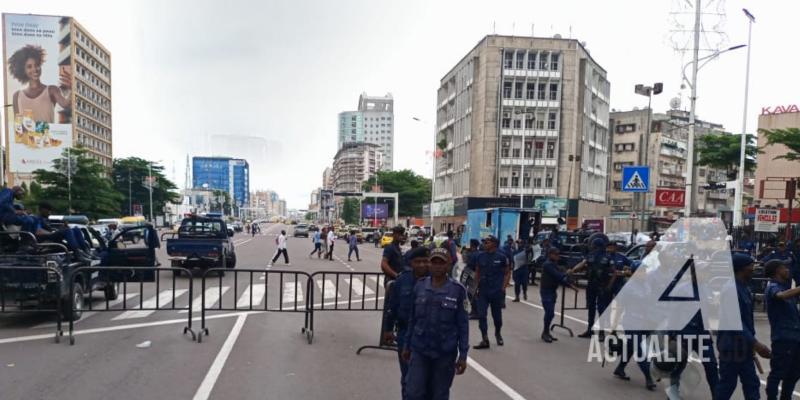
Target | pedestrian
(400,304)
(471,265)
(601,279)
(353,242)
(521,273)
(452,248)
(737,348)
(552,276)
(331,241)
(247,227)
(492,275)
(281,242)
(377,236)
(392,260)
(324,240)
(784,323)
(254,229)
(437,340)
(317,240)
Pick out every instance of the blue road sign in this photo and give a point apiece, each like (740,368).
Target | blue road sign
(635,179)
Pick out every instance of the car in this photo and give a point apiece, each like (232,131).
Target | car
(237,226)
(300,230)
(387,239)
(313,228)
(368,233)
(414,230)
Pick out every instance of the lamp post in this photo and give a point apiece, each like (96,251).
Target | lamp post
(522,160)
(5,152)
(644,143)
(150,185)
(433,172)
(737,203)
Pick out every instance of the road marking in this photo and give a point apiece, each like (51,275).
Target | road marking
(163,298)
(204,391)
(328,289)
(241,242)
(258,295)
(359,287)
(511,393)
(292,292)
(212,296)
(87,314)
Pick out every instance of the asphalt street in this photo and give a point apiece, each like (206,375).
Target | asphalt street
(263,354)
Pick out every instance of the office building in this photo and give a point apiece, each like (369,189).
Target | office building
(523,116)
(223,173)
(353,164)
(373,122)
(768,166)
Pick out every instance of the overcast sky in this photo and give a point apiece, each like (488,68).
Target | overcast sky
(186,72)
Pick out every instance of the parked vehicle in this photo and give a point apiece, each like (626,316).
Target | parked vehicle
(132,235)
(368,233)
(202,242)
(387,239)
(300,230)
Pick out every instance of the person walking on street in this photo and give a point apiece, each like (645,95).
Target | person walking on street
(601,277)
(784,323)
(492,275)
(521,273)
(281,242)
(316,239)
(552,277)
(437,340)
(331,240)
(353,243)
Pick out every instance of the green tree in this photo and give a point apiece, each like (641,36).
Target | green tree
(789,137)
(221,202)
(723,152)
(413,190)
(130,176)
(92,192)
(350,211)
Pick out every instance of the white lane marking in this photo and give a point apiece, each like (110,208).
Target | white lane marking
(258,295)
(212,296)
(164,298)
(204,391)
(359,287)
(328,289)
(511,393)
(292,289)
(241,242)
(87,314)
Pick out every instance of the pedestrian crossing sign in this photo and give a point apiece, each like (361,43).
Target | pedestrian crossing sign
(635,179)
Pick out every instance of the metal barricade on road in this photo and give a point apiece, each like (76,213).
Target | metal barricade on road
(20,286)
(572,307)
(381,344)
(280,291)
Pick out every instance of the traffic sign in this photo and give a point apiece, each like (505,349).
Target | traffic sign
(636,179)
(633,216)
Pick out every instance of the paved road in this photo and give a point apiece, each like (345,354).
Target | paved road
(263,355)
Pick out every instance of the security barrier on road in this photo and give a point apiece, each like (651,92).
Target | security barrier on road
(572,307)
(255,287)
(128,282)
(382,345)
(21,286)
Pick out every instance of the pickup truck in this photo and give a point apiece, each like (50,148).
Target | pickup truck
(202,242)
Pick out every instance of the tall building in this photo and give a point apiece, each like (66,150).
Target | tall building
(327,179)
(223,173)
(74,109)
(373,122)
(514,103)
(353,164)
(780,117)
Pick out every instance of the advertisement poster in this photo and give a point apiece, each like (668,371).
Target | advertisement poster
(766,220)
(369,211)
(38,85)
(670,197)
(551,207)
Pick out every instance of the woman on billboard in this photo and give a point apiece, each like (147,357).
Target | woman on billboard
(39,99)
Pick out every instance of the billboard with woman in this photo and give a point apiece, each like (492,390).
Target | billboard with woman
(38,89)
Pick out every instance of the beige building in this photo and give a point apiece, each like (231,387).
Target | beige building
(524,116)
(353,164)
(768,166)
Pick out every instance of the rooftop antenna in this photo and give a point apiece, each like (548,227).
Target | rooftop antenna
(494,27)
(513,26)
(570,31)
(532,34)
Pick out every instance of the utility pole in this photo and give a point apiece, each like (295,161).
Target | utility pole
(690,181)
(130,197)
(737,204)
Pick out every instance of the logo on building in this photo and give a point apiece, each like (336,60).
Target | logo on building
(670,197)
(790,108)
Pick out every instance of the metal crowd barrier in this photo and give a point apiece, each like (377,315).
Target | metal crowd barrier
(37,282)
(382,345)
(122,277)
(572,307)
(255,286)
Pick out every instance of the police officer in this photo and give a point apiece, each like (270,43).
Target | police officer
(601,280)
(622,266)
(492,275)
(787,257)
(437,339)
(784,323)
(471,260)
(521,274)
(392,261)
(736,348)
(400,302)
(552,277)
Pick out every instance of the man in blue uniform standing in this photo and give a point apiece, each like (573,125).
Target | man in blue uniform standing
(787,257)
(400,303)
(784,323)
(521,273)
(736,348)
(601,281)
(392,261)
(353,246)
(552,277)
(492,275)
(621,264)
(438,333)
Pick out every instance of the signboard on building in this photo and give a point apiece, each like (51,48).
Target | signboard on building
(670,198)
(594,224)
(38,88)
(443,208)
(371,211)
(780,109)
(551,207)
(767,220)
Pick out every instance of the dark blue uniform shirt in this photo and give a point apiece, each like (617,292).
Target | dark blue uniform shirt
(785,256)
(439,324)
(743,340)
(492,269)
(600,269)
(400,301)
(394,255)
(619,262)
(552,277)
(784,319)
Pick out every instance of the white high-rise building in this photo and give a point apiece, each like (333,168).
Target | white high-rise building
(373,122)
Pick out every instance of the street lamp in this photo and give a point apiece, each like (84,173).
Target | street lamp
(644,143)
(150,185)
(433,174)
(737,202)
(522,160)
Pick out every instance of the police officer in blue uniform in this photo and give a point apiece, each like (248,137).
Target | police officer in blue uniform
(622,265)
(601,281)
(400,302)
(492,274)
(787,257)
(552,276)
(736,348)
(437,340)
(392,261)
(471,264)
(784,323)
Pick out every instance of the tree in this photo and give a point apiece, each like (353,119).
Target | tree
(92,192)
(413,190)
(789,137)
(350,211)
(130,176)
(221,202)
(723,152)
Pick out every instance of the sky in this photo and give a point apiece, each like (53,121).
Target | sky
(266,79)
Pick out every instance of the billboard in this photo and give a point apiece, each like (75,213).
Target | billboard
(670,197)
(38,86)
(767,220)
(379,211)
(551,207)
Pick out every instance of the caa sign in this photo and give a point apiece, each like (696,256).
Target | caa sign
(670,197)
(790,108)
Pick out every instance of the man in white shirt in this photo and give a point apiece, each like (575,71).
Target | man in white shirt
(331,241)
(281,242)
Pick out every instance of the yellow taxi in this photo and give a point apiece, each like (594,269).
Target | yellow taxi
(386,239)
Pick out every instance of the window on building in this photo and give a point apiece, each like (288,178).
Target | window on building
(515,181)
(509,60)
(506,123)
(518,90)
(553,91)
(528,122)
(515,153)
(551,120)
(617,185)
(528,148)
(554,62)
(531,60)
(520,59)
(538,148)
(702,171)
(548,180)
(517,124)
(537,181)
(526,181)
(543,61)
(551,150)
(620,147)
(541,91)
(531,91)
(505,149)
(504,181)
(540,120)
(507,90)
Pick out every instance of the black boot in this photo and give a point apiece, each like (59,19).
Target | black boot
(499,339)
(649,384)
(620,373)
(516,300)
(586,335)
(546,337)
(484,344)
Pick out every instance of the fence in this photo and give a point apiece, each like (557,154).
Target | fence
(22,285)
(111,279)
(382,345)
(288,285)
(572,307)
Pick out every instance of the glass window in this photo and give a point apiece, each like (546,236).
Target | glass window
(514,181)
(507,90)
(531,60)
(504,181)
(517,124)
(554,62)
(515,153)
(531,91)
(551,150)
(541,90)
(528,122)
(548,180)
(518,90)
(538,148)
(509,60)
(520,59)
(553,91)
(543,61)
(526,181)
(551,120)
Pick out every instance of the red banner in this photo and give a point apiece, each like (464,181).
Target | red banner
(670,197)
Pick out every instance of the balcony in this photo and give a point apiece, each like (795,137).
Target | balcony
(544,133)
(538,162)
(534,73)
(511,102)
